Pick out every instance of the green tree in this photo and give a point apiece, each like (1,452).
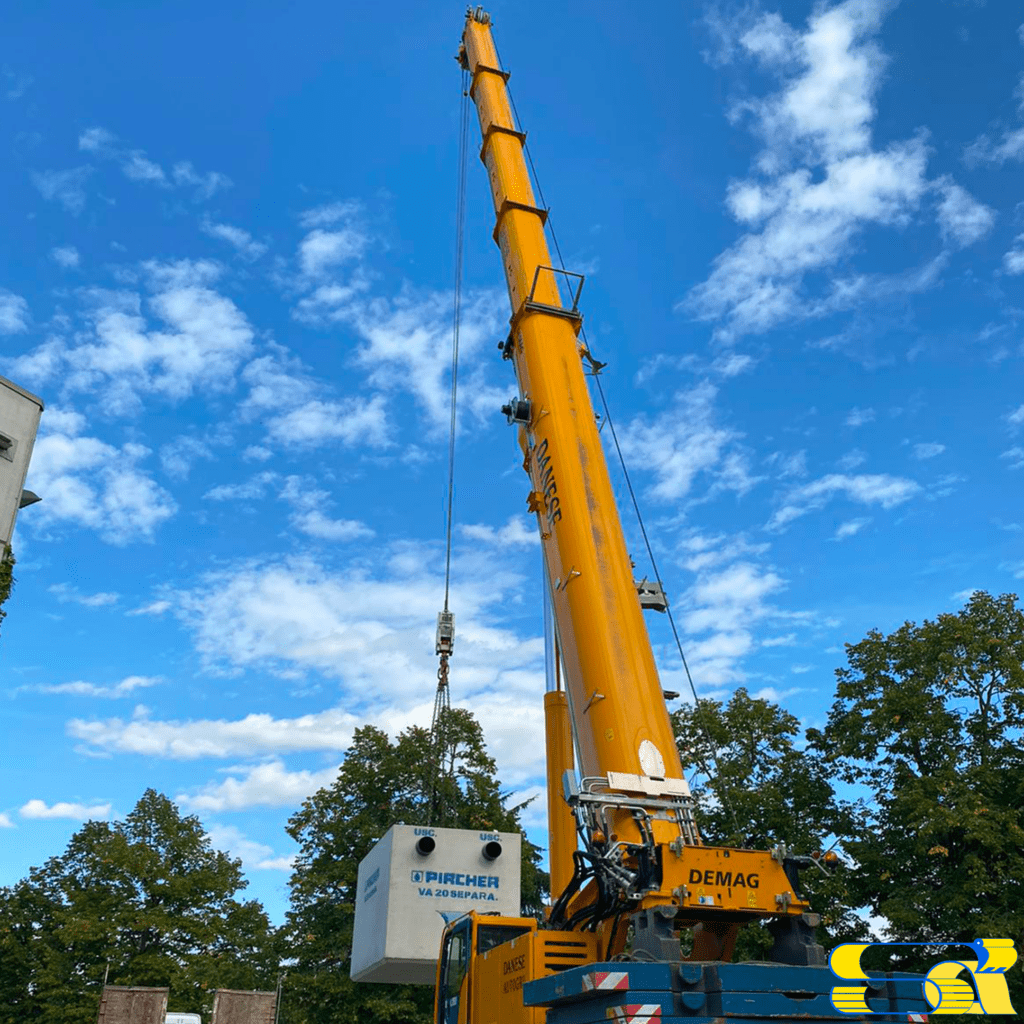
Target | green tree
(146,901)
(756,787)
(7,580)
(928,721)
(379,784)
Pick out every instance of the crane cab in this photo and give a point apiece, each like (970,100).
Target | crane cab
(486,960)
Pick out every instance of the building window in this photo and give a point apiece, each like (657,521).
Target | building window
(8,446)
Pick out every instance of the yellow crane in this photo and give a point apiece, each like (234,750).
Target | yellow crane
(626,857)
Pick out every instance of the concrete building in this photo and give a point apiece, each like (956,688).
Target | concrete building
(19,421)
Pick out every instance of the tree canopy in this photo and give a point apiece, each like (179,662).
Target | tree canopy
(928,723)
(144,901)
(380,783)
(7,580)
(755,786)
(925,740)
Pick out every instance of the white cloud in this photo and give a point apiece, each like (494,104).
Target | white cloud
(321,255)
(205,185)
(788,640)
(178,456)
(852,459)
(323,250)
(92,484)
(374,634)
(517,532)
(65,592)
(858,417)
(1015,457)
(928,451)
(5,821)
(250,490)
(76,812)
(774,694)
(254,856)
(684,442)
(358,421)
(407,347)
(137,167)
(962,219)
(818,181)
(868,489)
(405,341)
(308,516)
(125,688)
(65,255)
(771,40)
(701,552)
(248,248)
(264,785)
(851,527)
(738,586)
(985,150)
(14,316)
(732,364)
(808,226)
(256,453)
(154,608)
(800,670)
(827,107)
(792,465)
(330,213)
(198,738)
(96,140)
(203,340)
(1016,418)
(1011,146)
(64,187)
(726,603)
(277,383)
(63,421)
(1013,260)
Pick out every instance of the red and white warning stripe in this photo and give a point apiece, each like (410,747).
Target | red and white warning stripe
(917,1018)
(634,1013)
(605,981)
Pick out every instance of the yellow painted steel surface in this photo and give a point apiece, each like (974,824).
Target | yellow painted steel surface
(561,825)
(614,691)
(703,879)
(491,992)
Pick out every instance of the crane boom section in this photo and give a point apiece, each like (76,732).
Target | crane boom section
(616,700)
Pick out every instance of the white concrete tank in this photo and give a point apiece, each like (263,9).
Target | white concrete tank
(412,881)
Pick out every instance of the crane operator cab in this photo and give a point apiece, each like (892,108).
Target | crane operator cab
(486,959)
(465,934)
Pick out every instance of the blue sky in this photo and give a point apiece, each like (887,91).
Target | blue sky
(228,272)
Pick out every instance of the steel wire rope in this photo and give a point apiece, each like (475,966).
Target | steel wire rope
(460,224)
(625,472)
(442,697)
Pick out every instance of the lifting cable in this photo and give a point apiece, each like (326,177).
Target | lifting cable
(445,620)
(698,711)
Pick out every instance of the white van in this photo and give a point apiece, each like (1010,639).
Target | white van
(182,1018)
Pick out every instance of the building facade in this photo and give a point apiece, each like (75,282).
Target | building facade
(19,420)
